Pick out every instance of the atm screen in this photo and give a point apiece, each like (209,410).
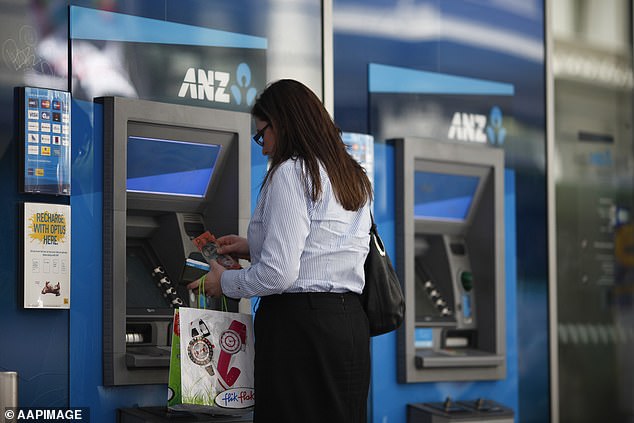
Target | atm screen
(443,196)
(168,167)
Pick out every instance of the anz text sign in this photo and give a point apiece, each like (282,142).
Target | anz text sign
(235,89)
(478,128)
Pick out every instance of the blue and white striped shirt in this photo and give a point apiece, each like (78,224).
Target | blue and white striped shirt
(298,245)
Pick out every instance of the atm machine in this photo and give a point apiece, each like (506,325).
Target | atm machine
(450,258)
(171,172)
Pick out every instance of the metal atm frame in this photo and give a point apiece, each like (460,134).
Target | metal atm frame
(232,180)
(476,301)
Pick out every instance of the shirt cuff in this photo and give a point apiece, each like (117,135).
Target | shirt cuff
(231,283)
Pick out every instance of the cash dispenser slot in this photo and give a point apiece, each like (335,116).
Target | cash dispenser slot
(143,348)
(456,358)
(473,359)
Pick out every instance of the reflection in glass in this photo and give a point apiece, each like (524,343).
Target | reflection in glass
(594,206)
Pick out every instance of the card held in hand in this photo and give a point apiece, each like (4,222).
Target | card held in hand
(206,243)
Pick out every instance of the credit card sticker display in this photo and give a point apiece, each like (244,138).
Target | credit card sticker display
(44,120)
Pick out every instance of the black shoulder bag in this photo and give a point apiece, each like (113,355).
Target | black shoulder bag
(382,297)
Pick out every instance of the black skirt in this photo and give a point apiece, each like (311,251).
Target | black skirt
(312,359)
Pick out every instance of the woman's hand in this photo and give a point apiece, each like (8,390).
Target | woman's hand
(233,245)
(212,281)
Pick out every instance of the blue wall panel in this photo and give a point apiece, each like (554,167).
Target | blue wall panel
(34,341)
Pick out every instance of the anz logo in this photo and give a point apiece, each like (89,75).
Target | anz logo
(210,85)
(473,127)
(203,84)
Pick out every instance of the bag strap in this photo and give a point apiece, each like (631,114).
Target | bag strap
(201,300)
(374,237)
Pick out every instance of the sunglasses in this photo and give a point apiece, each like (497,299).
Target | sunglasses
(258,138)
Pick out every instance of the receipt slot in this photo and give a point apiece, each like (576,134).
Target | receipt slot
(450,256)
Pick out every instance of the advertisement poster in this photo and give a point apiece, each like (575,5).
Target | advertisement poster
(46,255)
(46,130)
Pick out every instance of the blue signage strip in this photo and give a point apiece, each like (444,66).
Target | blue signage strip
(93,24)
(392,79)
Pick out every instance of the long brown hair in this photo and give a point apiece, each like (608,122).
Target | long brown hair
(305,130)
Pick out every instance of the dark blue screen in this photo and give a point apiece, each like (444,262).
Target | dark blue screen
(443,196)
(168,167)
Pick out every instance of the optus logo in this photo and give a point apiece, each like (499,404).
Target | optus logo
(472,127)
(212,85)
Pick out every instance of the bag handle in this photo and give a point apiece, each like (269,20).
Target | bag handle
(374,236)
(201,300)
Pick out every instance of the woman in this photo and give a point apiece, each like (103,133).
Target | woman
(307,242)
